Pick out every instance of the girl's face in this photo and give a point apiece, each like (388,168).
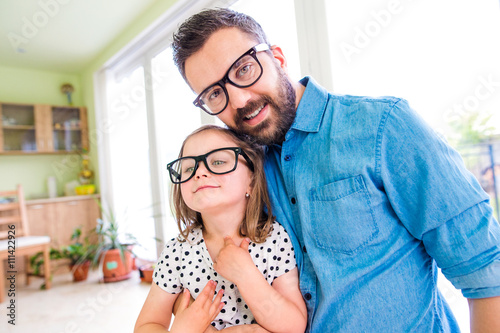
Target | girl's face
(209,193)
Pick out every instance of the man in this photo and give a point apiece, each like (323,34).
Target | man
(373,199)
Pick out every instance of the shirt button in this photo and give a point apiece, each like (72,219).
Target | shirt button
(288,158)
(307,296)
(294,201)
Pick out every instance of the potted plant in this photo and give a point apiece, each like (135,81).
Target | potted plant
(146,272)
(113,249)
(80,255)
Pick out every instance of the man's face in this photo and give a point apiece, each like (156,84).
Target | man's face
(265,110)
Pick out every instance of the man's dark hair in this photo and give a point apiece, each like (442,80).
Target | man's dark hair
(196,30)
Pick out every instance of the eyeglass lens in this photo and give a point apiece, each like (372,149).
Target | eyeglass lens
(217,162)
(244,72)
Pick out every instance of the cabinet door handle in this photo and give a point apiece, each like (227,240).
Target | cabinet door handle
(72,203)
(36,207)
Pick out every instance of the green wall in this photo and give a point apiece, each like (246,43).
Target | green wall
(142,22)
(21,85)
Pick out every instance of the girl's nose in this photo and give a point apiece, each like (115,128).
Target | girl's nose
(201,171)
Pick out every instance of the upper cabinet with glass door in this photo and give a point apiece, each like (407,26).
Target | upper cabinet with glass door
(69,129)
(42,129)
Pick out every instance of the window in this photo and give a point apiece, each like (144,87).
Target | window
(442,56)
(147,112)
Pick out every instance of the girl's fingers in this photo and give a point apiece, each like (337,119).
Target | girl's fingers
(207,292)
(245,243)
(217,305)
(185,296)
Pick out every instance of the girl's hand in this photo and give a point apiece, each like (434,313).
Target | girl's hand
(233,262)
(197,316)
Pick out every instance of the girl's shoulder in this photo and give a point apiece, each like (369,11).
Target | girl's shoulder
(278,230)
(277,236)
(195,237)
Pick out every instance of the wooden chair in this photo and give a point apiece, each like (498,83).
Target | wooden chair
(15,241)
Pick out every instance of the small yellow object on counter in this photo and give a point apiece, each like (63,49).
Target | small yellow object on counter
(85,189)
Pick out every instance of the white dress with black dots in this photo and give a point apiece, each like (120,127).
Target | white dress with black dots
(188,265)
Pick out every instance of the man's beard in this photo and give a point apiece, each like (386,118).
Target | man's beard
(273,129)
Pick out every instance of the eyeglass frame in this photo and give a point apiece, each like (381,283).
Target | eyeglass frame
(222,82)
(237,150)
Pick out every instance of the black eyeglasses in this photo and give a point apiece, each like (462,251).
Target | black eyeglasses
(243,73)
(218,161)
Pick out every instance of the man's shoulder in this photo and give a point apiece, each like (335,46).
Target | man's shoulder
(366,101)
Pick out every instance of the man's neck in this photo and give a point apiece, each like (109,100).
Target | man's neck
(299,91)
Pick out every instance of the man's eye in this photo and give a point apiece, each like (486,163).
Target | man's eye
(244,70)
(214,94)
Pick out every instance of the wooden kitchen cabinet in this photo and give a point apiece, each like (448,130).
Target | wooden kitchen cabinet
(58,217)
(42,129)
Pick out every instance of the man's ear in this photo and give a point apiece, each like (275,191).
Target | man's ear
(280,57)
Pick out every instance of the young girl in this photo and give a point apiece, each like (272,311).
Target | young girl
(228,246)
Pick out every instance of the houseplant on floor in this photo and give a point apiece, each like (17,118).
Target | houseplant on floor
(114,248)
(80,255)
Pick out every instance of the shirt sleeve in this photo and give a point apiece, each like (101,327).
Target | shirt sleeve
(166,273)
(284,255)
(439,201)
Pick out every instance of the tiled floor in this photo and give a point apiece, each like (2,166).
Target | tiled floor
(68,307)
(94,307)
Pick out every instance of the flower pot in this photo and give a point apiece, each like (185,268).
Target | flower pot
(146,273)
(80,271)
(114,269)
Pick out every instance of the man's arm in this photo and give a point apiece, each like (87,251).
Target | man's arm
(484,314)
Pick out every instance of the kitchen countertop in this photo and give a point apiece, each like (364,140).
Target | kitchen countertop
(61,199)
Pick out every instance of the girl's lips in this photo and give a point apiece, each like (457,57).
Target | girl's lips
(203,187)
(259,117)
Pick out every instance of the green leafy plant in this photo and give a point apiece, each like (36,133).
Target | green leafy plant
(78,253)
(471,128)
(110,236)
(37,261)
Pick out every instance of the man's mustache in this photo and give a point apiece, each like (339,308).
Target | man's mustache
(251,106)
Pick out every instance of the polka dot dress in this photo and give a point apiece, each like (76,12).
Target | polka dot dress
(188,265)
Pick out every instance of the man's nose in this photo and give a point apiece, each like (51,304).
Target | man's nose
(238,97)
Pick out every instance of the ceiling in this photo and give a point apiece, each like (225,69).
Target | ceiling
(61,35)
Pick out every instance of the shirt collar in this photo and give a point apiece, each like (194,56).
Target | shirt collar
(312,106)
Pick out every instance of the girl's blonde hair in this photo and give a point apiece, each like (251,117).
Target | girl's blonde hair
(256,223)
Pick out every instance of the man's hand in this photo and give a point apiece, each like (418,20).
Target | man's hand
(197,316)
(233,262)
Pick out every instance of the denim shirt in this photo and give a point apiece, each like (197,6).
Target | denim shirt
(374,201)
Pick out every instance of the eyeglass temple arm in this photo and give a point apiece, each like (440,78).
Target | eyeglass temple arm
(261,47)
(248,160)
(174,173)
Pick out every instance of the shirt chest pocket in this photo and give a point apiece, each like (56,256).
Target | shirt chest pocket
(341,216)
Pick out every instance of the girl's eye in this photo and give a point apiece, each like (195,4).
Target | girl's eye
(218,163)
(188,168)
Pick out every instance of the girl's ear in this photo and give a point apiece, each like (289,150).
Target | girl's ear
(280,57)
(248,193)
